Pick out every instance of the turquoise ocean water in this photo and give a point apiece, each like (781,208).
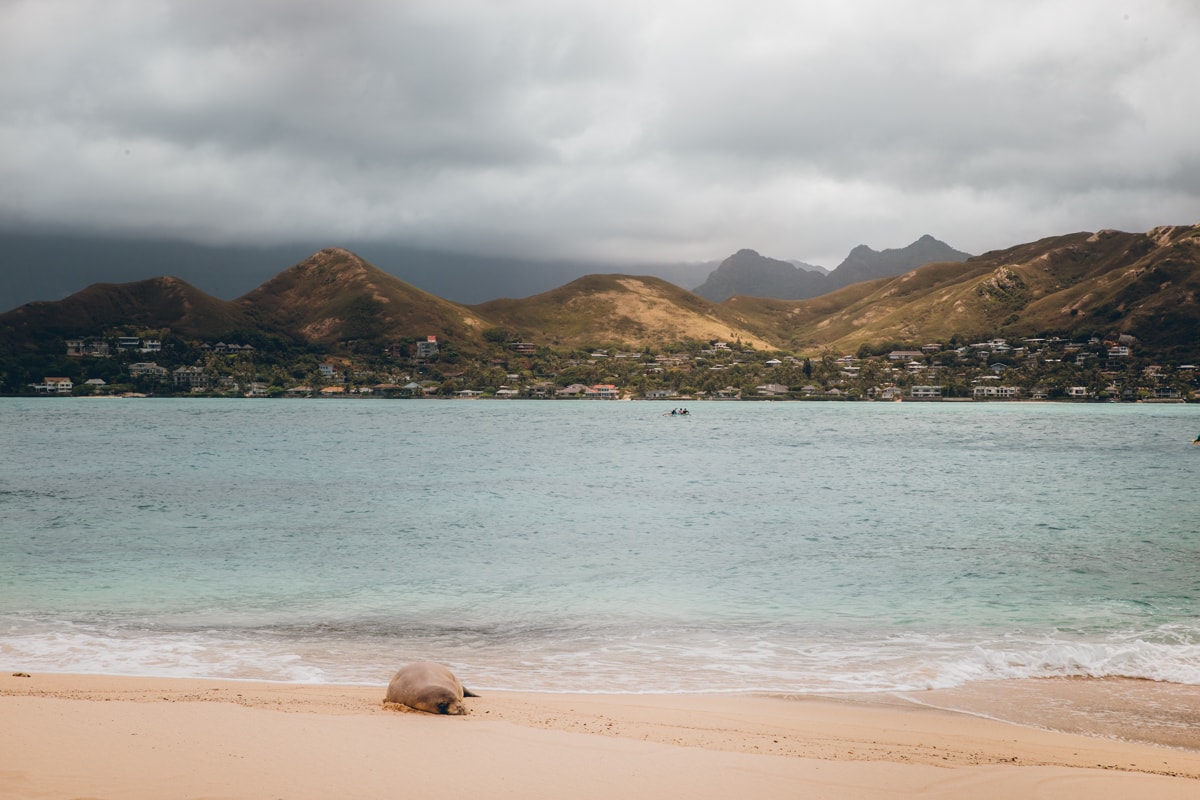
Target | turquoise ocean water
(600,546)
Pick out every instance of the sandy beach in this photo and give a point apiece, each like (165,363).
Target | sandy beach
(71,736)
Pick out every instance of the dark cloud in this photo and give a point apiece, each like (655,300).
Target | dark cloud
(673,130)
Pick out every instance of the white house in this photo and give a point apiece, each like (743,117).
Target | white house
(1003,392)
(54,386)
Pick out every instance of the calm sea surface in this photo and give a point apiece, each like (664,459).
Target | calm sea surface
(600,546)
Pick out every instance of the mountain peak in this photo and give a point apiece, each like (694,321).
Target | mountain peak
(865,264)
(750,274)
(620,308)
(336,295)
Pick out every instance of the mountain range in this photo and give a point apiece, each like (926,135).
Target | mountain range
(52,266)
(748,273)
(45,266)
(1106,283)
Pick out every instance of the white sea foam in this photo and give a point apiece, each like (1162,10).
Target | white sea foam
(614,666)
(1175,663)
(161,655)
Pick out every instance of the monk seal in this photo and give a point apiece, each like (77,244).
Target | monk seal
(428,686)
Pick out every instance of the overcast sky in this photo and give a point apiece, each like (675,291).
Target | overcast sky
(629,130)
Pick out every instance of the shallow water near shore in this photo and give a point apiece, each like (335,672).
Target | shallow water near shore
(600,546)
(1110,708)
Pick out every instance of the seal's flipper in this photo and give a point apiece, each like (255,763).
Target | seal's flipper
(468,693)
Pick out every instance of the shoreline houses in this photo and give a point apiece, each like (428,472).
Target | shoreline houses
(1050,368)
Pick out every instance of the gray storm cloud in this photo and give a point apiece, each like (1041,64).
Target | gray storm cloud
(620,130)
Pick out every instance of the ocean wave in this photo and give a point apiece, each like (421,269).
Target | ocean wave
(697,662)
(1136,658)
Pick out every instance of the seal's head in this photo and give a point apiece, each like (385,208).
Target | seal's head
(454,708)
(437,698)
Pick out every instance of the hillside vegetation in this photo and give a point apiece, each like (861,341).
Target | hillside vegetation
(335,298)
(154,303)
(1104,284)
(633,312)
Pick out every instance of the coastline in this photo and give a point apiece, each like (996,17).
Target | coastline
(135,737)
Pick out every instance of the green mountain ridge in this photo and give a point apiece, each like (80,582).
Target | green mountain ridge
(748,273)
(1106,283)
(152,303)
(631,311)
(334,297)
